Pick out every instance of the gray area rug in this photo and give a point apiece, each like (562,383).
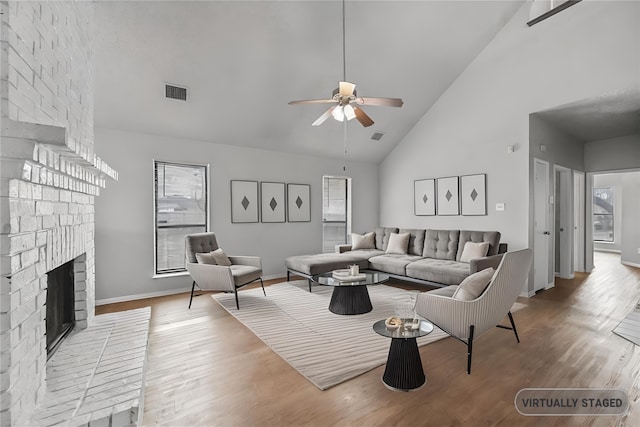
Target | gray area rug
(629,328)
(325,348)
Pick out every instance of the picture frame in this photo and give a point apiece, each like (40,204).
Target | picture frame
(298,202)
(448,200)
(424,197)
(272,202)
(473,194)
(244,201)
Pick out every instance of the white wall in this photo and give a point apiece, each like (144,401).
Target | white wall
(587,50)
(124,212)
(630,213)
(612,154)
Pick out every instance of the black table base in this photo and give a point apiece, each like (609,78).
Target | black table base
(404,367)
(350,300)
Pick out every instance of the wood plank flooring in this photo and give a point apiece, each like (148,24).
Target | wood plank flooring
(206,369)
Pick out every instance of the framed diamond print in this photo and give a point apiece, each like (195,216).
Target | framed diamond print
(473,194)
(272,202)
(244,201)
(298,202)
(448,202)
(424,197)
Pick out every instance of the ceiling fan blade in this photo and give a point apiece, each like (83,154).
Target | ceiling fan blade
(386,102)
(346,88)
(312,101)
(324,117)
(362,117)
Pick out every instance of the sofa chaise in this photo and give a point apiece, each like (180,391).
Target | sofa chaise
(432,257)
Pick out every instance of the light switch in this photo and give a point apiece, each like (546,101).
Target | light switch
(499,206)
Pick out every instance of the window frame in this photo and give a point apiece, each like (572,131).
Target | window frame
(155,163)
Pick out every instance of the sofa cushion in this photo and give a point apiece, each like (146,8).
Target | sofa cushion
(474,285)
(474,250)
(221,258)
(243,274)
(392,263)
(382,236)
(398,243)
(360,241)
(363,253)
(322,263)
(205,258)
(416,241)
(493,237)
(447,291)
(441,244)
(442,271)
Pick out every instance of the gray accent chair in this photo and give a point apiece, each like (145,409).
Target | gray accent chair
(467,320)
(242,271)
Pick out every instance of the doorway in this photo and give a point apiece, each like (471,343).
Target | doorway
(563,222)
(542,235)
(578,221)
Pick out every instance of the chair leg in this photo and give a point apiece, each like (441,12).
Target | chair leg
(309,280)
(469,349)
(513,326)
(193,287)
(262,284)
(288,276)
(235,291)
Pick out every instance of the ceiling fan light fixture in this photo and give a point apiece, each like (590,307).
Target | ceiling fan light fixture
(349,113)
(338,114)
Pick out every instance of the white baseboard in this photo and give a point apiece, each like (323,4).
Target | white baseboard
(141,296)
(549,286)
(165,293)
(615,251)
(630,264)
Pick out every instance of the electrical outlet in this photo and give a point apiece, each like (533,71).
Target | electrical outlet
(499,206)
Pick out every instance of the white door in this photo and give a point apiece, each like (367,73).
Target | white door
(542,236)
(578,220)
(563,231)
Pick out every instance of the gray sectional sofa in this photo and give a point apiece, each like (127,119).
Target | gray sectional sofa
(433,256)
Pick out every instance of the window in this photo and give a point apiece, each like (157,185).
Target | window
(603,201)
(180,208)
(336,212)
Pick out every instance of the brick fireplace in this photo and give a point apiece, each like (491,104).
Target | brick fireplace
(49,178)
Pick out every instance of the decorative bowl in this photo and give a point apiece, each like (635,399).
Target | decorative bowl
(393,322)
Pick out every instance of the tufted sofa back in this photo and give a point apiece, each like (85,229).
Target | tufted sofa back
(199,243)
(493,237)
(441,244)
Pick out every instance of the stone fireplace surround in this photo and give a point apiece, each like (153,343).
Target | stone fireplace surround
(47,194)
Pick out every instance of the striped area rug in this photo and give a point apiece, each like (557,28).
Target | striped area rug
(325,348)
(629,328)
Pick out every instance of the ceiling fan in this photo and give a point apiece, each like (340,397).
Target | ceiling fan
(345,96)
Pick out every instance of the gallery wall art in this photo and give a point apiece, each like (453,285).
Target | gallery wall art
(272,201)
(244,201)
(424,197)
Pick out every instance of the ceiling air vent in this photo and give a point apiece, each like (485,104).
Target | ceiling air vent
(377,136)
(175,92)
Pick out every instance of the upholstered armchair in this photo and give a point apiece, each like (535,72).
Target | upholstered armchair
(467,320)
(213,276)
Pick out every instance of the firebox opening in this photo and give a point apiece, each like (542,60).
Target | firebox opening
(60,305)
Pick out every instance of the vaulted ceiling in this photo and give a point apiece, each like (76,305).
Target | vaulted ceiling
(242,61)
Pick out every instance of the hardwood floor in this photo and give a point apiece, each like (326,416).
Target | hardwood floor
(207,369)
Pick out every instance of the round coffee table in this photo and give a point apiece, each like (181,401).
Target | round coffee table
(403,371)
(350,297)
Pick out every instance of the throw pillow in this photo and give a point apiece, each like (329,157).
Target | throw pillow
(220,257)
(474,250)
(474,285)
(205,258)
(398,243)
(359,241)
